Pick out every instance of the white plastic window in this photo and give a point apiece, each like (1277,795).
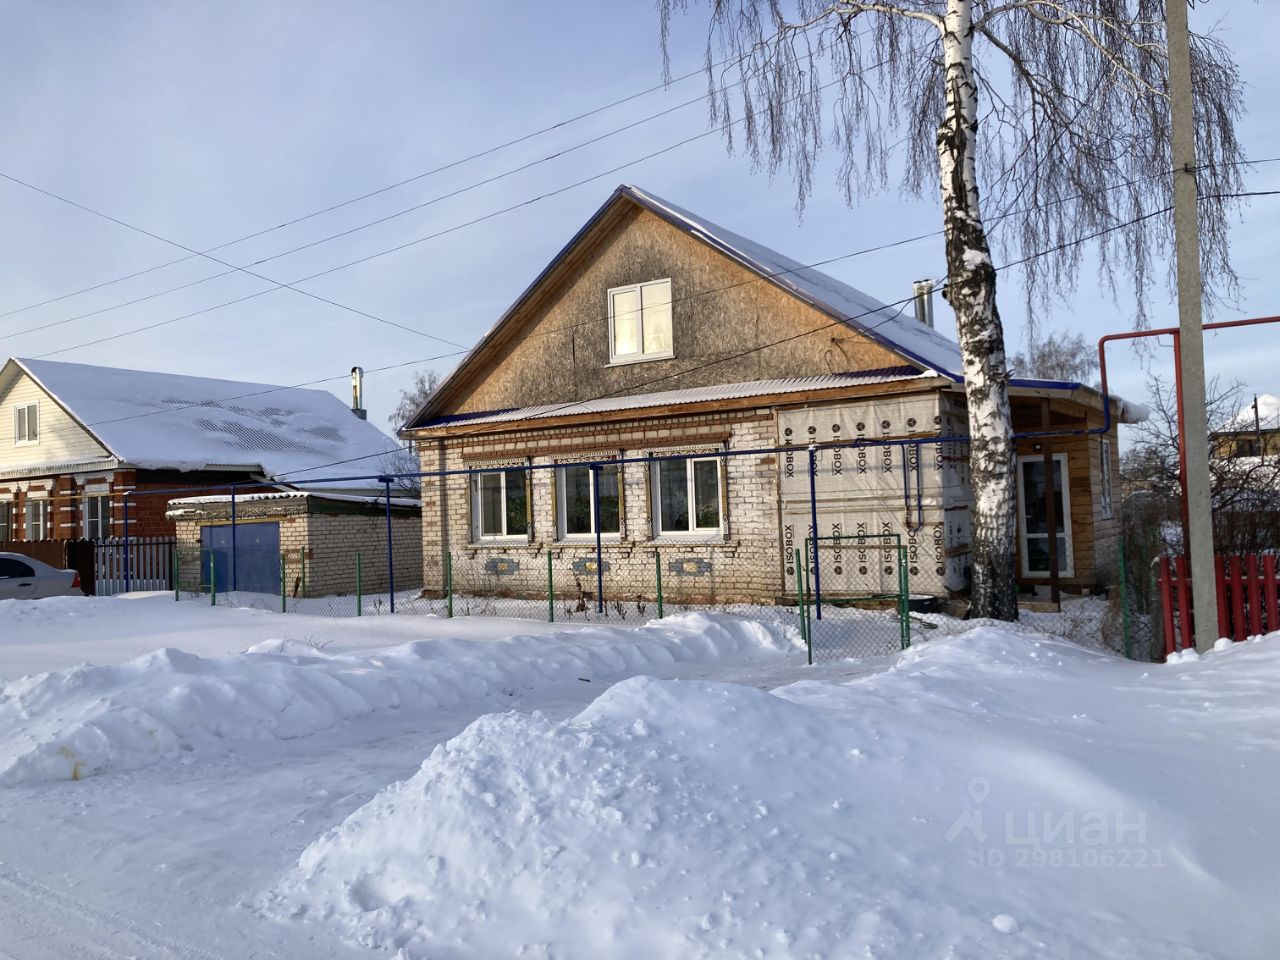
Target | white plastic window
(500,504)
(687,496)
(26,423)
(576,505)
(640,322)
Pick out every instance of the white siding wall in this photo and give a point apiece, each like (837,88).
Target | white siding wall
(62,440)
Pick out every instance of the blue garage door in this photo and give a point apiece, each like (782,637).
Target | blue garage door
(257,557)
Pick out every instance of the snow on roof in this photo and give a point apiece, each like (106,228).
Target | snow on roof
(721,391)
(1268,414)
(895,327)
(295,495)
(170,421)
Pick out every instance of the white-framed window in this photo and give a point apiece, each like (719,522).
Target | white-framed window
(37,520)
(6,520)
(686,496)
(1033,523)
(500,504)
(640,322)
(1104,476)
(97,517)
(576,504)
(26,423)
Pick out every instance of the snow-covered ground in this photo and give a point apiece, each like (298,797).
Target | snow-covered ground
(293,786)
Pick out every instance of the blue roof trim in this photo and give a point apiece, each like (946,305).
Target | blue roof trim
(1045,384)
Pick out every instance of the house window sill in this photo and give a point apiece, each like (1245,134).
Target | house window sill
(648,358)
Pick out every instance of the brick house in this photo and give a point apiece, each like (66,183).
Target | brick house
(656,334)
(75,438)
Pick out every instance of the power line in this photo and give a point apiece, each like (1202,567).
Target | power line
(372,193)
(233,268)
(349,231)
(739,355)
(754,279)
(182,246)
(382,253)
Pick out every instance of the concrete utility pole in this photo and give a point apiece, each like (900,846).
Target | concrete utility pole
(1195,428)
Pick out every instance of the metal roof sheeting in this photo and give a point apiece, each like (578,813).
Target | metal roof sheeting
(720,391)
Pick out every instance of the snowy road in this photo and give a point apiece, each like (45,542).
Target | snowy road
(162,862)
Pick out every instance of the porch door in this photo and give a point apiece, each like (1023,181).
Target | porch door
(1033,523)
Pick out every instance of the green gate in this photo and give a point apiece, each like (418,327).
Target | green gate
(863,586)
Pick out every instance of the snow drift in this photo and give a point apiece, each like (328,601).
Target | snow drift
(86,720)
(999,794)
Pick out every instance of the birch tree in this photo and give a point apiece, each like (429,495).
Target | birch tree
(1055,108)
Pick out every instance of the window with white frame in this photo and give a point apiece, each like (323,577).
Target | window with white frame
(6,520)
(1033,517)
(640,322)
(500,504)
(26,423)
(97,517)
(686,496)
(37,520)
(1104,474)
(576,504)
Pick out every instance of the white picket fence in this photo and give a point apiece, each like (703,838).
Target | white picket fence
(150,564)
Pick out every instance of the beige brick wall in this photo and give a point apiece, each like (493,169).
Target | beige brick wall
(743,563)
(330,542)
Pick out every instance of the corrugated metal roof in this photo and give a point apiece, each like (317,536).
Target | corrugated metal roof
(720,391)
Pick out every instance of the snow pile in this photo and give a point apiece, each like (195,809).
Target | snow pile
(993,795)
(83,721)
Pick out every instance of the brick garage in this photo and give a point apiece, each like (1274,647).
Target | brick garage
(324,531)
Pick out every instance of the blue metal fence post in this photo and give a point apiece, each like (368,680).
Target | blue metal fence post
(234,577)
(595,519)
(391,563)
(813,520)
(127,570)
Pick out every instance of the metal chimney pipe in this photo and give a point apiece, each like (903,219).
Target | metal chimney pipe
(923,292)
(357,393)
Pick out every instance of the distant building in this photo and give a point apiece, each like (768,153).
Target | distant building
(1253,432)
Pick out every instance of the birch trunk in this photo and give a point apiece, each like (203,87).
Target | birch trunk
(971,291)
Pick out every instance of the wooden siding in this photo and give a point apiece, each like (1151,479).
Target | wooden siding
(62,440)
(558,349)
(1094,539)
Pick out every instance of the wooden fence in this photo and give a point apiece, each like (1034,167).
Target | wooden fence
(1248,598)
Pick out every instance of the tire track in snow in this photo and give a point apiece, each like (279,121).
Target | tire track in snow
(46,924)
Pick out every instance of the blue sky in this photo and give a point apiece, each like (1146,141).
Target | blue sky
(207,121)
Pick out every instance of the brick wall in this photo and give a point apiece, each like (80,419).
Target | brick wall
(329,539)
(740,564)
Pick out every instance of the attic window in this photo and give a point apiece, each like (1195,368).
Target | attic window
(26,423)
(640,322)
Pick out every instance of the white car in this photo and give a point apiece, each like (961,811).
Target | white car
(22,578)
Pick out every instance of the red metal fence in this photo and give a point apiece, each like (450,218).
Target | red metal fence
(1248,598)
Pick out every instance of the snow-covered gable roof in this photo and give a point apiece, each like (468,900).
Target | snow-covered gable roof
(169,421)
(893,327)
